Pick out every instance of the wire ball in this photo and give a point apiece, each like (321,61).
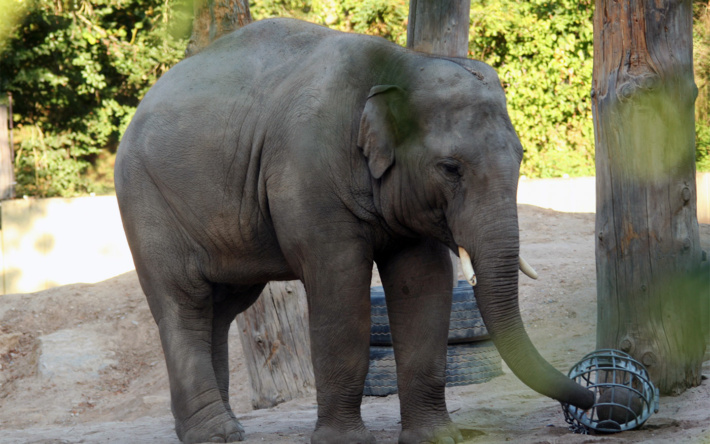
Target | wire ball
(625,396)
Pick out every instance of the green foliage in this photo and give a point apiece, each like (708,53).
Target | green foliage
(77,70)
(384,18)
(701,60)
(542,50)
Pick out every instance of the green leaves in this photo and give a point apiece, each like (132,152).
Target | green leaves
(542,50)
(701,60)
(384,18)
(77,70)
(13,11)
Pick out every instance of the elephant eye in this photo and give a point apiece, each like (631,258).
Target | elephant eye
(451,169)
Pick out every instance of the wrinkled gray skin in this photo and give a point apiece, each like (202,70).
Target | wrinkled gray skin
(289,151)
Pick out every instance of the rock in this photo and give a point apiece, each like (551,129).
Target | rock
(630,405)
(8,342)
(73,355)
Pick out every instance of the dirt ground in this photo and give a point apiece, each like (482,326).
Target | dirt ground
(122,396)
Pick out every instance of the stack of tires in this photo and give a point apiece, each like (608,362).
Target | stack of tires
(471,356)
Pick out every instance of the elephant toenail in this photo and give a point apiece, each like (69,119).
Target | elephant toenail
(236,436)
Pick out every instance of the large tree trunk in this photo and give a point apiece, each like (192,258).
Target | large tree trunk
(273,331)
(439,27)
(652,292)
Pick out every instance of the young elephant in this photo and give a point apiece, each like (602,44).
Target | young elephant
(290,151)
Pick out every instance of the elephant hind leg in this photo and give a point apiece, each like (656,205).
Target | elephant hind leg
(186,308)
(229,301)
(187,333)
(193,323)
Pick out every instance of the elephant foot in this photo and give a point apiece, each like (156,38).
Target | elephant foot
(448,434)
(331,435)
(223,428)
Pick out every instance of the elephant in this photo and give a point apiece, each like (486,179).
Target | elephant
(286,150)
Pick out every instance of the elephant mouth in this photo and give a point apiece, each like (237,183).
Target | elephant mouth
(470,274)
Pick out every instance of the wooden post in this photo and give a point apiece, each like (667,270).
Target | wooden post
(276,343)
(439,27)
(652,292)
(7,172)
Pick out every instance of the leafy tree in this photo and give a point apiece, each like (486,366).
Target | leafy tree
(77,70)
(542,50)
(384,18)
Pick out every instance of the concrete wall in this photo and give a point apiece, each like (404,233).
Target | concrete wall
(575,195)
(50,242)
(578,195)
(703,187)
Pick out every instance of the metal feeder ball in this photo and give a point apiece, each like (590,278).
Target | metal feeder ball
(625,396)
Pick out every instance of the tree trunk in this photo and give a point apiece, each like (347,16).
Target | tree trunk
(273,331)
(7,173)
(651,285)
(213,19)
(274,335)
(439,27)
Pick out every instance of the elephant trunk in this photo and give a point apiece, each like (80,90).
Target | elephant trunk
(496,269)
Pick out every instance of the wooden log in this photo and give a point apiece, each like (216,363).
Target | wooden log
(652,302)
(7,172)
(439,27)
(275,339)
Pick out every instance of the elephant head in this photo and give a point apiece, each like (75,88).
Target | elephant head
(445,161)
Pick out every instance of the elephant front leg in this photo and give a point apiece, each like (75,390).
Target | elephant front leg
(418,288)
(338,289)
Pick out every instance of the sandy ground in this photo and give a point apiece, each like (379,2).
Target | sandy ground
(122,396)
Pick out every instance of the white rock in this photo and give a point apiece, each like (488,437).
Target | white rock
(74,355)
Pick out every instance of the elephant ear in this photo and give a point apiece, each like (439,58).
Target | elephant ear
(378,133)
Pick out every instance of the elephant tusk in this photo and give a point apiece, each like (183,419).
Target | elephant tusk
(527,269)
(467,267)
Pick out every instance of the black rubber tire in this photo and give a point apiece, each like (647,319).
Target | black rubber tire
(466,364)
(466,322)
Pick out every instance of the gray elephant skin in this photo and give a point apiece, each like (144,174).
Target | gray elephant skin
(286,151)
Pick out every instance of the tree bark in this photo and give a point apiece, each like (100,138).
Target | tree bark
(215,18)
(439,27)
(652,292)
